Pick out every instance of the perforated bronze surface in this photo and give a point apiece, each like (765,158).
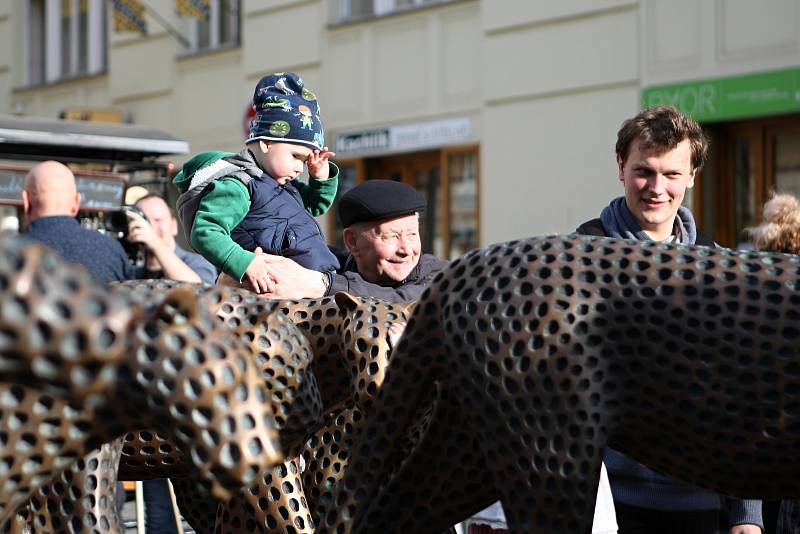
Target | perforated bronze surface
(349,352)
(83,494)
(682,358)
(349,340)
(521,363)
(171,367)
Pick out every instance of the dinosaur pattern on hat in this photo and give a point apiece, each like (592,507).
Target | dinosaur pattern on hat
(286,111)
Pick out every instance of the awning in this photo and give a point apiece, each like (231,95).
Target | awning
(78,141)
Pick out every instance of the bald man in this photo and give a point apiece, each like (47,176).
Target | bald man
(51,201)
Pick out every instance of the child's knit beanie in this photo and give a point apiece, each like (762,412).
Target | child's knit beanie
(286,111)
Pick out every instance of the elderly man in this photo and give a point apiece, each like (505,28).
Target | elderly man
(51,201)
(164,257)
(384,260)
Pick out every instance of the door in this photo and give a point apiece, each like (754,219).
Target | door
(749,160)
(420,170)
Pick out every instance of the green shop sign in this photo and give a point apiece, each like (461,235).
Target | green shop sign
(753,95)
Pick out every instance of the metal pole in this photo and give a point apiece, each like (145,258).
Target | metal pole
(167,26)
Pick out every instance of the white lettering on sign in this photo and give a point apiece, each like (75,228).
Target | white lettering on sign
(694,100)
(410,136)
(431,134)
(362,141)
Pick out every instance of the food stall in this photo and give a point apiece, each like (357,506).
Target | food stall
(106,158)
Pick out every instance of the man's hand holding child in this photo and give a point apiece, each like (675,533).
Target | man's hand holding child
(318,163)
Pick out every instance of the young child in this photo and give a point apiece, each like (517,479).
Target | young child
(231,204)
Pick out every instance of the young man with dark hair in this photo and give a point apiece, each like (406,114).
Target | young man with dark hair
(659,153)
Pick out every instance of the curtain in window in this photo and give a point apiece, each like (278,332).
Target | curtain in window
(129,16)
(199,9)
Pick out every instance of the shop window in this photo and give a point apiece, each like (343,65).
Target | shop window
(787,163)
(221,29)
(65,39)
(462,172)
(447,178)
(350,10)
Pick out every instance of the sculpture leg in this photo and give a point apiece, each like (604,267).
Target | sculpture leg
(198,507)
(325,455)
(546,465)
(83,497)
(442,478)
(276,503)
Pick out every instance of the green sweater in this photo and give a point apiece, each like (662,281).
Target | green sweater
(225,203)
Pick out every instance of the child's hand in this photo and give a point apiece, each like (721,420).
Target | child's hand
(257,275)
(318,163)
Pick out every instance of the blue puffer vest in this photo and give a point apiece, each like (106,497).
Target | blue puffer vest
(279,224)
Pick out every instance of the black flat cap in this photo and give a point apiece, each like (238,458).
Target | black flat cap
(375,200)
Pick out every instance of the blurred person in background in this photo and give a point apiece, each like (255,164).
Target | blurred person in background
(50,201)
(164,258)
(779,231)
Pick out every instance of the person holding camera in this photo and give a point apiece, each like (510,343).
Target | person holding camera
(50,202)
(155,230)
(164,258)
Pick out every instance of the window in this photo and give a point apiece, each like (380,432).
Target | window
(462,180)
(220,30)
(349,10)
(65,39)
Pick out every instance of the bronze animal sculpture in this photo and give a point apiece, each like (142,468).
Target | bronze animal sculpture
(119,365)
(349,342)
(353,326)
(683,358)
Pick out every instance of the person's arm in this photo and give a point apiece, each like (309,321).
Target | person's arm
(199,265)
(141,231)
(223,206)
(293,281)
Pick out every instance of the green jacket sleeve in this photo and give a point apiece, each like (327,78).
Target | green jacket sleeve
(318,195)
(223,206)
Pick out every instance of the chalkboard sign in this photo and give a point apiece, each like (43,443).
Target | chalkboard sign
(96,192)
(11,184)
(100,193)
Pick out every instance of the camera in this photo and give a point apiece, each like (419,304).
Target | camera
(116,221)
(116,225)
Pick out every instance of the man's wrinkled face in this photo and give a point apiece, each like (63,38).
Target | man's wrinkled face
(655,184)
(385,251)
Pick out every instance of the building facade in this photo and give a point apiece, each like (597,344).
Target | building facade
(503,113)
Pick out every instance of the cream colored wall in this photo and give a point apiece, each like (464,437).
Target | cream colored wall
(7,51)
(281,35)
(402,68)
(546,83)
(717,39)
(559,79)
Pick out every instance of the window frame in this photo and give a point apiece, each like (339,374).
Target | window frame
(214,26)
(341,11)
(48,60)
